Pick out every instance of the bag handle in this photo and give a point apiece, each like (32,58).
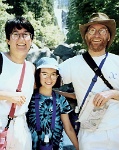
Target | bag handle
(87,57)
(13,107)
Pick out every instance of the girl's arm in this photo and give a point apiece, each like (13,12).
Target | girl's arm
(69,130)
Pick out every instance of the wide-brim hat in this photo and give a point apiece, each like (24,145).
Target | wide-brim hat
(100,18)
(47,62)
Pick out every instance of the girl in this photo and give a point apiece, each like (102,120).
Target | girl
(48,111)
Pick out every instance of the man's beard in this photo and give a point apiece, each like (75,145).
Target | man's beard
(98,48)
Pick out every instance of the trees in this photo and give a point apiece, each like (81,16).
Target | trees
(46,34)
(3,18)
(38,7)
(79,12)
(17,7)
(47,31)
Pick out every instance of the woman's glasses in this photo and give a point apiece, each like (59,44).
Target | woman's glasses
(26,35)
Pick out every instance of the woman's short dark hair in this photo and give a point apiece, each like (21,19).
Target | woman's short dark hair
(37,79)
(18,22)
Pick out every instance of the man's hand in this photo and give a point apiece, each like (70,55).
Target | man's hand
(101,98)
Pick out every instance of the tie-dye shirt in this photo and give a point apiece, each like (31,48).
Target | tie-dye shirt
(45,109)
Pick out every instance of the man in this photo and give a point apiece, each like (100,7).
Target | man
(19,36)
(98,34)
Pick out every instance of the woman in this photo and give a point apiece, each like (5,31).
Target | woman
(19,36)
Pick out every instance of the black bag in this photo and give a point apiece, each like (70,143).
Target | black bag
(73,119)
(46,147)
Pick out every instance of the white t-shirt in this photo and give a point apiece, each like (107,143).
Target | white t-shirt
(9,80)
(77,71)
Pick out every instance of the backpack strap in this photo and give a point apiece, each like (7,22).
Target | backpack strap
(87,57)
(38,112)
(94,79)
(1,63)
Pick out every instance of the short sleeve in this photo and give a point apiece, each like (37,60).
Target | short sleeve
(65,71)
(65,107)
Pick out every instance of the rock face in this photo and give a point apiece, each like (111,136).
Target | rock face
(64,52)
(61,53)
(36,53)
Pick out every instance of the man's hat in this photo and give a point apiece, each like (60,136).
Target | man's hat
(100,18)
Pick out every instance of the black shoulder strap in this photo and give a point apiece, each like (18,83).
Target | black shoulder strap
(95,68)
(1,63)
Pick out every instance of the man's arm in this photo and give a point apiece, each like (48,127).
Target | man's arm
(66,94)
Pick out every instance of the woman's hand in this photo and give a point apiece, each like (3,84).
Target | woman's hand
(19,100)
(14,97)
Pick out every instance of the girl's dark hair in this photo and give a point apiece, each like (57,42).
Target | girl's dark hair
(37,79)
(18,22)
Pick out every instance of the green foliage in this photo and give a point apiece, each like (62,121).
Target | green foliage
(17,7)
(40,7)
(79,13)
(4,16)
(46,34)
(52,36)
